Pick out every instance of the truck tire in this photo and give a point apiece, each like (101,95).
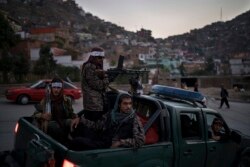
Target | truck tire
(244,161)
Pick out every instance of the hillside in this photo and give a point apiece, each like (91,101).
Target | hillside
(37,13)
(219,40)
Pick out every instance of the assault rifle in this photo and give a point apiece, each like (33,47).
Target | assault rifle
(134,82)
(119,70)
(47,107)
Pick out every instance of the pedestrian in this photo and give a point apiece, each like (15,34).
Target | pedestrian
(196,87)
(184,85)
(60,114)
(224,96)
(122,125)
(94,82)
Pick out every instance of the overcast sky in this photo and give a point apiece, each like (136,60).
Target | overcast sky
(164,17)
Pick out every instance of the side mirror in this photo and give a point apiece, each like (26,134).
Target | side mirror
(235,136)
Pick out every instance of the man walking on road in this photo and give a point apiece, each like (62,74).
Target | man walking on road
(224,96)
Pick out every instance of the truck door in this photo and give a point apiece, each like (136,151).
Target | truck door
(191,139)
(221,151)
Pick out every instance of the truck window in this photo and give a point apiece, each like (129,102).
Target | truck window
(145,109)
(190,126)
(216,127)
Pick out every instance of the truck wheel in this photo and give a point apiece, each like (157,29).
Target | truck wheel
(23,99)
(244,161)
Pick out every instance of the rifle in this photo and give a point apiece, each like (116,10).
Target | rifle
(47,108)
(113,73)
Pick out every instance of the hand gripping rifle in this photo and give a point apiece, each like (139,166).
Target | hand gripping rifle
(47,108)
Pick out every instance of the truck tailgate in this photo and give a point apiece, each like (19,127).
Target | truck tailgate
(27,132)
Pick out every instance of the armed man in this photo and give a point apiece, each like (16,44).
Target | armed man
(95,81)
(94,84)
(56,112)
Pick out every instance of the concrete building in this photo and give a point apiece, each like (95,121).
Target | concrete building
(240,66)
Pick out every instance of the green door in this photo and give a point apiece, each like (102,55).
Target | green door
(220,152)
(156,155)
(191,139)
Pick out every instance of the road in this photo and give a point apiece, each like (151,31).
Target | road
(9,115)
(237,117)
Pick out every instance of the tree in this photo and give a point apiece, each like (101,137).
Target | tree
(72,72)
(7,40)
(209,66)
(6,65)
(45,65)
(182,69)
(112,63)
(21,67)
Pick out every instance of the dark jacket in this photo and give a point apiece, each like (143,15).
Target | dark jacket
(223,93)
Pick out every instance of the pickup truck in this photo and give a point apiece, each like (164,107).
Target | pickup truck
(163,112)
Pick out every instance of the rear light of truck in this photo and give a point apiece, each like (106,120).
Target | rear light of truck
(67,163)
(16,127)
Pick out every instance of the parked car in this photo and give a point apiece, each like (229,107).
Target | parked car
(36,91)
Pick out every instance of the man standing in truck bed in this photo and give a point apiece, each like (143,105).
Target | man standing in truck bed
(94,83)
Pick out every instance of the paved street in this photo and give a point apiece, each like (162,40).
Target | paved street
(237,117)
(9,115)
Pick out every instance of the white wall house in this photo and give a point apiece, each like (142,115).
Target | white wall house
(77,63)
(34,54)
(84,36)
(65,60)
(143,57)
(240,66)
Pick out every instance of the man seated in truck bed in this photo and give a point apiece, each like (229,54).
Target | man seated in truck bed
(57,121)
(122,125)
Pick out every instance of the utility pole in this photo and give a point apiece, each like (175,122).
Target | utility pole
(221,14)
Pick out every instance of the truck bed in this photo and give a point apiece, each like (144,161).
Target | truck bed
(148,155)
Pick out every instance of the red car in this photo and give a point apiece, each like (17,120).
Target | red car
(36,91)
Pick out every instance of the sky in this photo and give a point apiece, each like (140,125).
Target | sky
(164,17)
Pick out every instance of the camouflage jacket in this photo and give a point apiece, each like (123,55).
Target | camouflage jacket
(93,88)
(103,124)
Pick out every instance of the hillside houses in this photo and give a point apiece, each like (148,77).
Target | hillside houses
(142,54)
(240,66)
(68,27)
